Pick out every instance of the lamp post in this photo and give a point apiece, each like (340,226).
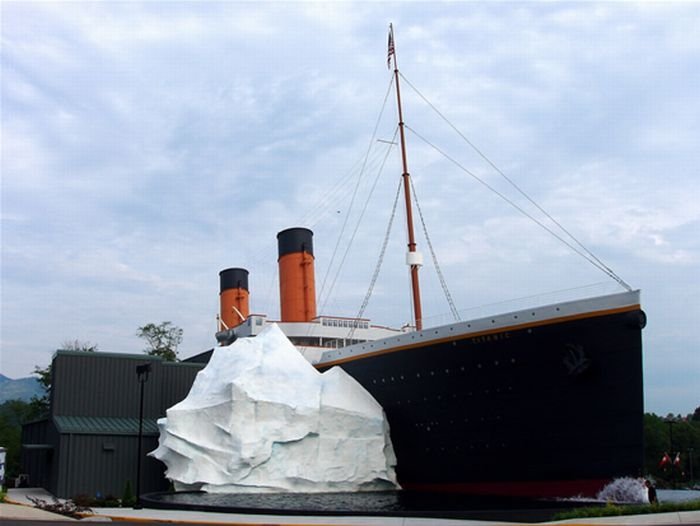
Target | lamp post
(142,372)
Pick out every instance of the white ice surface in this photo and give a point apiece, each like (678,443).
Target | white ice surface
(260,418)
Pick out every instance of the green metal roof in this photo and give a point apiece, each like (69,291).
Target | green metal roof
(100,425)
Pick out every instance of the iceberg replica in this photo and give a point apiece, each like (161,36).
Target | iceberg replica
(260,418)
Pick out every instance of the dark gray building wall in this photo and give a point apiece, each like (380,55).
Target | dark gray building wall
(102,464)
(102,385)
(38,463)
(177,380)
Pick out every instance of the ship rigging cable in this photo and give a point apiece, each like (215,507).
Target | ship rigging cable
(590,256)
(352,201)
(594,261)
(380,260)
(438,271)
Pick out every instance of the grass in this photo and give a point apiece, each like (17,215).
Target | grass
(611,510)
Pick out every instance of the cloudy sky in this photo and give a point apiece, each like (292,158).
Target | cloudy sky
(147,146)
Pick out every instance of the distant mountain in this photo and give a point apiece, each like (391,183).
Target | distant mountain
(20,389)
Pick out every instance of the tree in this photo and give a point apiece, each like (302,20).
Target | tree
(40,405)
(77,345)
(12,414)
(162,339)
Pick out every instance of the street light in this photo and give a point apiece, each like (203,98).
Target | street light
(142,372)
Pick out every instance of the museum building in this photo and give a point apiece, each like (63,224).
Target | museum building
(88,443)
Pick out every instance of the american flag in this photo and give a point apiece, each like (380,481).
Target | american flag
(390,47)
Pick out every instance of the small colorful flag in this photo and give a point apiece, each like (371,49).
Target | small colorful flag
(664,460)
(677,460)
(390,47)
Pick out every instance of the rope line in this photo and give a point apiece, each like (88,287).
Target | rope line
(362,213)
(380,260)
(524,212)
(352,201)
(591,256)
(438,271)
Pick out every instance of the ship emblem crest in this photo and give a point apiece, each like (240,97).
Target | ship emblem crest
(576,361)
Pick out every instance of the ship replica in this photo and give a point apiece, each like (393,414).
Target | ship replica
(542,402)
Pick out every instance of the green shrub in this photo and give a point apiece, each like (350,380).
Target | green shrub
(128,498)
(611,510)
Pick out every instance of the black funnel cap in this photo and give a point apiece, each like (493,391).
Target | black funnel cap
(233,278)
(294,240)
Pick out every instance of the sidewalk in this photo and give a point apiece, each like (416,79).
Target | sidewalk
(18,506)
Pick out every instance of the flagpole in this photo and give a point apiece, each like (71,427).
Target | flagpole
(413,258)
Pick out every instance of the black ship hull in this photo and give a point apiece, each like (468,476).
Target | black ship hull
(550,407)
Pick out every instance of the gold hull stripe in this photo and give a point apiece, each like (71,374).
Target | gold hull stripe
(551,321)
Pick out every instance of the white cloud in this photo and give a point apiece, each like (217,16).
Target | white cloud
(148,146)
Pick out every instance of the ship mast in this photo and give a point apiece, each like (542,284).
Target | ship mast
(413,257)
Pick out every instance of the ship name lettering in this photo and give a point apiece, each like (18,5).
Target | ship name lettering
(488,338)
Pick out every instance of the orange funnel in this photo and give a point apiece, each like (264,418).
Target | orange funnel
(233,296)
(297,280)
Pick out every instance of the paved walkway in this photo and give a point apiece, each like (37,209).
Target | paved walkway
(18,506)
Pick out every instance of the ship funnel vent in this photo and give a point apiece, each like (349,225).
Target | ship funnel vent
(297,275)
